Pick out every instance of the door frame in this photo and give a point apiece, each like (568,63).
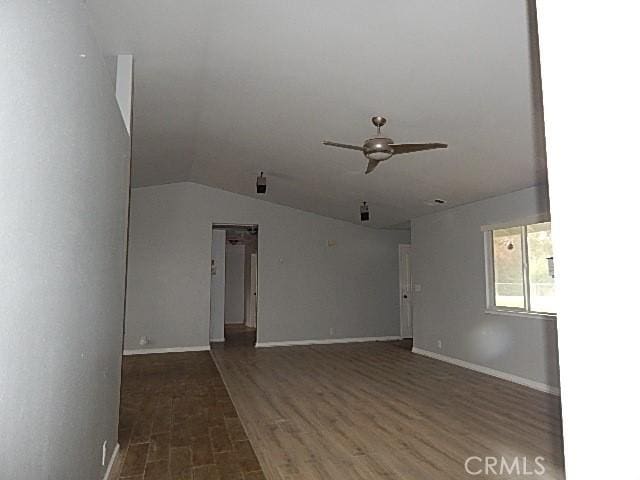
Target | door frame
(253,290)
(225,227)
(217,334)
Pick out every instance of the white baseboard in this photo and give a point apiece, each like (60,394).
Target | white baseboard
(112,461)
(216,340)
(543,387)
(325,341)
(144,351)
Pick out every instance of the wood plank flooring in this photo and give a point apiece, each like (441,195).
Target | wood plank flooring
(377,411)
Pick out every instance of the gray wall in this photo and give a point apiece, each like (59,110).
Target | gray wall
(448,261)
(218,279)
(305,287)
(249,248)
(234,284)
(63,204)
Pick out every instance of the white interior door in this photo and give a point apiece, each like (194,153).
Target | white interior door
(406,320)
(253,291)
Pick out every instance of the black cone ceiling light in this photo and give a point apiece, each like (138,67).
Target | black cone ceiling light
(364,212)
(261,184)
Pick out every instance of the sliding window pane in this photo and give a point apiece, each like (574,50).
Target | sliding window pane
(540,268)
(507,262)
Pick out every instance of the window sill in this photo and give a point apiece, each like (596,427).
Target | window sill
(516,313)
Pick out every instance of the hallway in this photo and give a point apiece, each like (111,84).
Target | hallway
(239,335)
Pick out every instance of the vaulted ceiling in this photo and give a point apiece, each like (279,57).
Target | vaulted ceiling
(226,89)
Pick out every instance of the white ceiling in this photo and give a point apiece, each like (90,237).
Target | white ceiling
(225,89)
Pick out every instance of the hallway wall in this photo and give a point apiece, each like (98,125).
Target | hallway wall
(217,296)
(64,179)
(234,284)
(249,248)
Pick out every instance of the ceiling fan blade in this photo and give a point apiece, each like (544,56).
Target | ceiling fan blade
(371,166)
(342,145)
(399,148)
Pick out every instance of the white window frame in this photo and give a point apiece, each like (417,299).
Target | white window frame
(491,307)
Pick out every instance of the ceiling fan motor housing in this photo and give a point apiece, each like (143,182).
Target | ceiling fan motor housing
(378,148)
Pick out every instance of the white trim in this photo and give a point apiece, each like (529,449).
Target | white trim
(124,88)
(216,340)
(326,341)
(489,273)
(526,274)
(144,351)
(521,313)
(543,387)
(112,461)
(530,220)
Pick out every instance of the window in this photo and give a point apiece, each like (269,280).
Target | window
(520,269)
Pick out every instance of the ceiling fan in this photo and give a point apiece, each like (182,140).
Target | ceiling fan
(379,148)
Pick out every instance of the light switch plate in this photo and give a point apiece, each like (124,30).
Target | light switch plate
(417,287)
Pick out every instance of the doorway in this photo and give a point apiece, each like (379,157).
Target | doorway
(405,290)
(234,284)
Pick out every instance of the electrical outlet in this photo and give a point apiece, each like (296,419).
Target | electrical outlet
(440,344)
(104,453)
(417,287)
(331,331)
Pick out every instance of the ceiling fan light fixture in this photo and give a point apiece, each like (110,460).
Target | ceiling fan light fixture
(379,156)
(379,148)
